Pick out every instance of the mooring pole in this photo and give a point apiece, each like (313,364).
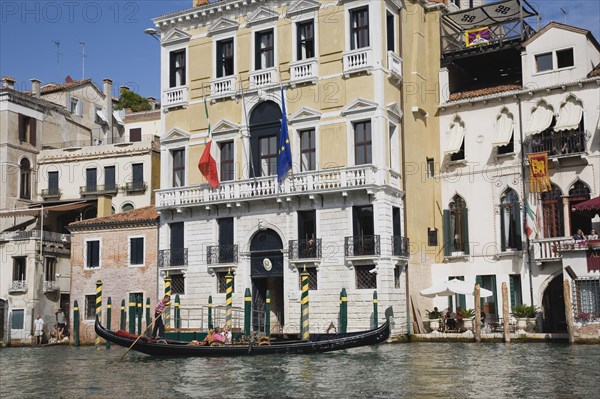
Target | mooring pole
(268,313)
(228,298)
(122,325)
(76,323)
(98,308)
(568,310)
(477,313)
(505,313)
(132,305)
(375,315)
(210,306)
(344,312)
(247,311)
(305,332)
(167,312)
(148,319)
(108,318)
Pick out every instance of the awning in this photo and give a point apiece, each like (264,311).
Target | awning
(117,116)
(100,113)
(36,211)
(489,14)
(540,120)
(455,137)
(591,205)
(504,129)
(569,116)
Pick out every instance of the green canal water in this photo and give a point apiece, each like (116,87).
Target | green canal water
(416,370)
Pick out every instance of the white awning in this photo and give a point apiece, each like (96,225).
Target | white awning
(569,116)
(455,138)
(504,129)
(100,113)
(540,120)
(117,116)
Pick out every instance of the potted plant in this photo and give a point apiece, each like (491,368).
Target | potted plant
(434,319)
(525,315)
(467,316)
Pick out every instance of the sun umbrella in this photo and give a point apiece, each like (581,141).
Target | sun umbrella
(452,287)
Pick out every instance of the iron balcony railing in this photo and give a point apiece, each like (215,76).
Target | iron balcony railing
(173,257)
(50,286)
(221,254)
(134,186)
(362,246)
(17,286)
(400,246)
(99,189)
(51,193)
(305,249)
(35,234)
(557,144)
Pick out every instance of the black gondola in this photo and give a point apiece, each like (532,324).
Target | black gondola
(316,344)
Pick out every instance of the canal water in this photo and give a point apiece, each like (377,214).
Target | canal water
(416,370)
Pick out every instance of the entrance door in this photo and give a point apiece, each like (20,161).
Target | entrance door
(553,304)
(266,271)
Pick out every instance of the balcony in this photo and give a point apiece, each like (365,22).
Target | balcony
(558,144)
(135,186)
(48,236)
(328,181)
(400,246)
(51,193)
(359,60)
(175,97)
(222,254)
(99,189)
(173,257)
(51,286)
(362,246)
(305,249)
(17,287)
(263,78)
(395,66)
(304,71)
(550,249)
(223,87)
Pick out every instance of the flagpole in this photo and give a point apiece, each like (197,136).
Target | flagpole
(246,117)
(282,100)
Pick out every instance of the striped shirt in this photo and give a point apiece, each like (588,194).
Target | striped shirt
(160,307)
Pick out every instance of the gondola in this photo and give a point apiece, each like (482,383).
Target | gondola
(317,343)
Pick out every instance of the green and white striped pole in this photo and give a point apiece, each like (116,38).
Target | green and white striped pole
(247,311)
(122,325)
(210,306)
(76,323)
(167,312)
(268,313)
(344,312)
(228,298)
(98,308)
(304,306)
(108,318)
(375,313)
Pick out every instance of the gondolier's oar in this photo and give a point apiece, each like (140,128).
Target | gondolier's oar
(146,330)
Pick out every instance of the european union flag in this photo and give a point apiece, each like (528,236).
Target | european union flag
(284,159)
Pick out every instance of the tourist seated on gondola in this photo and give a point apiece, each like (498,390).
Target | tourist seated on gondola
(208,340)
(226,334)
(218,338)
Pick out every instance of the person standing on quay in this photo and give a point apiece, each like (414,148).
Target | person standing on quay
(159,325)
(38,330)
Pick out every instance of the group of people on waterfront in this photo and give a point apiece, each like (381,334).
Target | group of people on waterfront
(57,335)
(580,236)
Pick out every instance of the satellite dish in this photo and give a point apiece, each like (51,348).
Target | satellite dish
(267,264)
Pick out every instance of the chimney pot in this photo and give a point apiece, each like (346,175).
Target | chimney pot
(8,82)
(124,88)
(201,2)
(35,87)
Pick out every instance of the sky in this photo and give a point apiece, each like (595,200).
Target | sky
(116,47)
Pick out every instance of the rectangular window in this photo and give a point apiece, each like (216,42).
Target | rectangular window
(362,143)
(177,283)
(27,129)
(53,182)
(305,40)
(516,295)
(430,168)
(364,278)
(222,282)
(17,319)
(397,276)
(75,106)
(312,279)
(177,73)
(25,179)
(226,249)
(92,258)
(19,268)
(359,28)
(225,58)
(178,168)
(564,58)
(135,134)
(264,50)
(226,160)
(136,251)
(137,174)
(307,150)
(364,241)
(90,307)
(432,236)
(543,62)
(390,32)
(97,117)
(109,178)
(587,292)
(91,180)
(268,155)
(50,269)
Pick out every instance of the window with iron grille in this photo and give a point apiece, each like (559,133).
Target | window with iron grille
(17,319)
(587,298)
(222,282)
(90,307)
(312,278)
(432,236)
(364,278)
(177,283)
(397,275)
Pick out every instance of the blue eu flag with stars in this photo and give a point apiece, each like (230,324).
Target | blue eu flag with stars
(284,159)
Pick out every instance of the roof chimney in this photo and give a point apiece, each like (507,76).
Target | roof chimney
(8,82)
(104,206)
(200,3)
(152,102)
(108,104)
(123,88)
(35,87)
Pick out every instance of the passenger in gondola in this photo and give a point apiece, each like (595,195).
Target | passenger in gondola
(218,337)
(226,334)
(209,338)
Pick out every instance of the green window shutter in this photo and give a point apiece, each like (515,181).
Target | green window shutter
(495,295)
(511,285)
(518,228)
(447,233)
(465,230)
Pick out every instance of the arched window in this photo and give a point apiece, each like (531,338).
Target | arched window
(456,234)
(25,189)
(553,213)
(510,221)
(127,207)
(579,192)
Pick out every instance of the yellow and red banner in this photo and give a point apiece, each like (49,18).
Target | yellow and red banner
(539,178)
(478,36)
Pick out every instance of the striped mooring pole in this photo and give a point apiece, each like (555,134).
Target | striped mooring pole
(98,308)
(131,314)
(268,313)
(210,306)
(139,304)
(177,312)
(375,314)
(247,311)
(343,311)
(305,333)
(108,318)
(76,323)
(167,312)
(122,325)
(228,298)
(148,319)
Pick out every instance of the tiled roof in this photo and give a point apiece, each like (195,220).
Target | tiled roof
(52,87)
(594,73)
(483,92)
(146,214)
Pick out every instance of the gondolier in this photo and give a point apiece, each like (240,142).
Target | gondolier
(159,325)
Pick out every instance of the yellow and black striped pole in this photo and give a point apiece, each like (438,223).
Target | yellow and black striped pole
(167,312)
(228,298)
(98,307)
(304,304)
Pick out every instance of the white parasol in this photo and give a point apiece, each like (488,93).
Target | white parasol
(452,287)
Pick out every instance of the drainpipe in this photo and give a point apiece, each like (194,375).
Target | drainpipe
(524,188)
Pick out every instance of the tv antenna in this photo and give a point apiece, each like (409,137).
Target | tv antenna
(57,44)
(82,44)
(564,12)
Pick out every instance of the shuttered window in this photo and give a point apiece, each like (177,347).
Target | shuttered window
(456,231)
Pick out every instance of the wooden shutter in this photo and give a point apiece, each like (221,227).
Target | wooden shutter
(135,134)
(447,233)
(257,58)
(32,131)
(172,68)
(22,128)
(465,230)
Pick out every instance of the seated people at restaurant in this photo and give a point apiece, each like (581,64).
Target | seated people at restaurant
(449,320)
(579,236)
(482,316)
(593,235)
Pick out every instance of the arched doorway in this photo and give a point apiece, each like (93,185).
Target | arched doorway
(265,123)
(266,271)
(553,305)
